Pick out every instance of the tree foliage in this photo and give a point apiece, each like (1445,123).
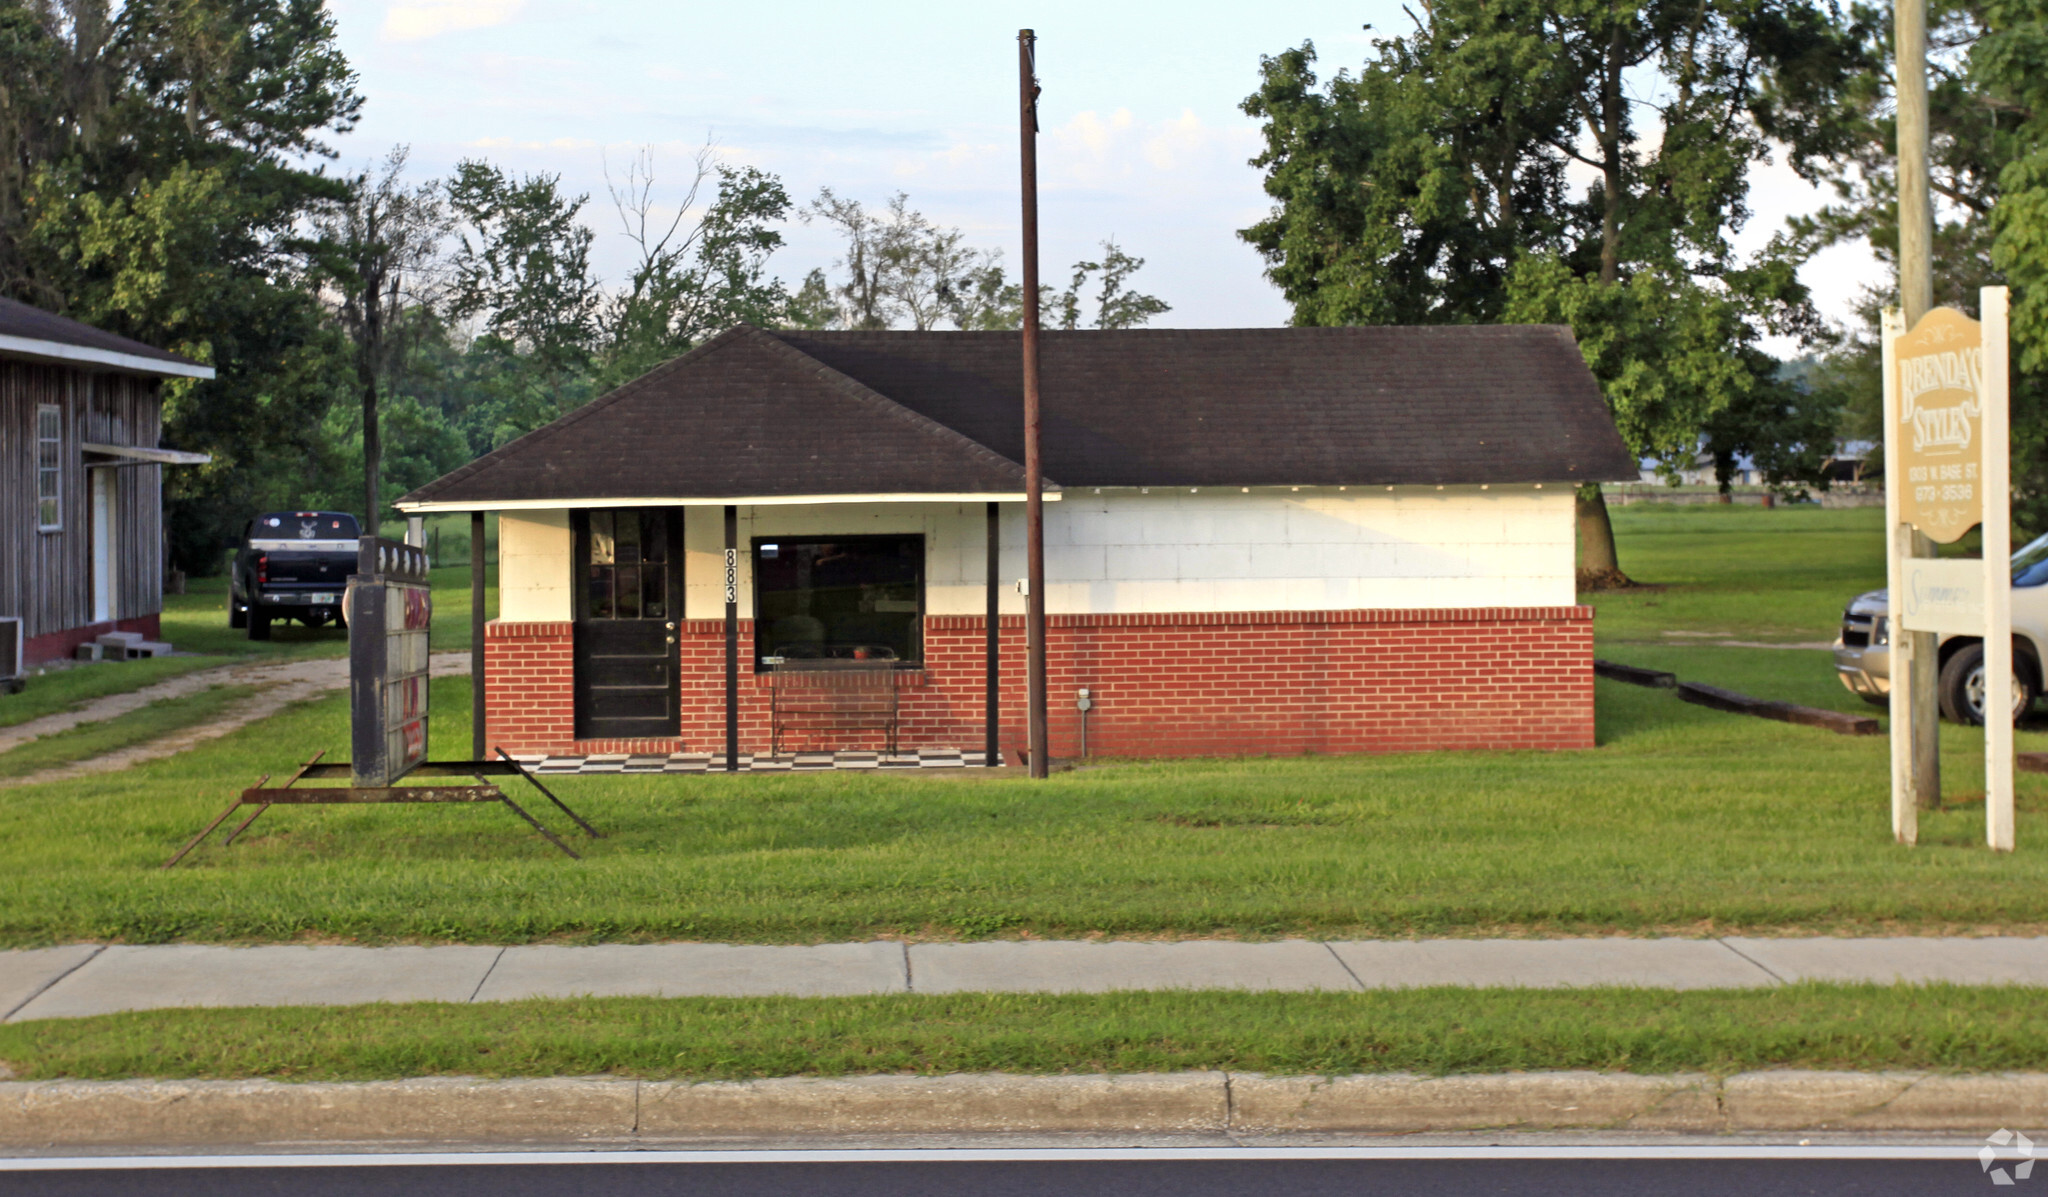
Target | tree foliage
(902,268)
(1437,185)
(693,280)
(154,181)
(1986,163)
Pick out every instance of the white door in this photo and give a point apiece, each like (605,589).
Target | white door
(102,545)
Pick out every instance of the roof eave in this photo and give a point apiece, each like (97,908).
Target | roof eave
(62,354)
(435,506)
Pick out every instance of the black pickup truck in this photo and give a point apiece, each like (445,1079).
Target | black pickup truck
(292,565)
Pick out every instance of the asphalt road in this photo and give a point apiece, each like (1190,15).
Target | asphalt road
(1449,1173)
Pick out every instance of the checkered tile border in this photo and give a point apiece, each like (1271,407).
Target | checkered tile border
(710,762)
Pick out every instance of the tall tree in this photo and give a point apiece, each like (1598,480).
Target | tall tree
(1116,305)
(521,271)
(1434,187)
(693,277)
(902,268)
(158,162)
(384,246)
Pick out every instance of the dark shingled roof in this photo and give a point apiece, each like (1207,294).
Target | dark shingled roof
(742,414)
(34,324)
(793,413)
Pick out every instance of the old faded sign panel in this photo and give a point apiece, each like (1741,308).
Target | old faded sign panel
(1941,423)
(1942,595)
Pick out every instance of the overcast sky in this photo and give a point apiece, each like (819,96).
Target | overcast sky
(1143,139)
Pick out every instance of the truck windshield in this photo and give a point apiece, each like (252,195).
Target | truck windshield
(2030,564)
(305,525)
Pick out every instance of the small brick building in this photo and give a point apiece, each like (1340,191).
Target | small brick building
(1257,541)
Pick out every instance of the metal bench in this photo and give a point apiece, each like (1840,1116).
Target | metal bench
(832,696)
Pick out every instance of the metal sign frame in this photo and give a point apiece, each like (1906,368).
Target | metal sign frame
(390,609)
(390,614)
(1951,596)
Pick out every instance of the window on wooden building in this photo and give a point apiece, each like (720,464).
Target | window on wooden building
(845,597)
(49,467)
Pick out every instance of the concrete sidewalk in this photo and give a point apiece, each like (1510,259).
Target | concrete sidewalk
(85,979)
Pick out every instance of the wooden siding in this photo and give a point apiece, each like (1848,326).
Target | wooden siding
(46,577)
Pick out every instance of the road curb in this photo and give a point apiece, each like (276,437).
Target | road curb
(55,1114)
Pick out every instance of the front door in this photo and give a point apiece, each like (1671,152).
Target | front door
(629,597)
(101,518)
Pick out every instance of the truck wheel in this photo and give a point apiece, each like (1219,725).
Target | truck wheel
(1962,687)
(259,624)
(238,615)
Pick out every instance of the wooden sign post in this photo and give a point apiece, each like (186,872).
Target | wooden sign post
(1947,470)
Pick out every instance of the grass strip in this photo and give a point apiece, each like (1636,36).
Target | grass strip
(140,726)
(1431,1031)
(63,689)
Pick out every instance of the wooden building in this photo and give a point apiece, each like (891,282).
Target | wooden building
(81,493)
(1264,540)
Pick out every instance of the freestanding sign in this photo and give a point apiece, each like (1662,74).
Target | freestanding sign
(390,608)
(1947,470)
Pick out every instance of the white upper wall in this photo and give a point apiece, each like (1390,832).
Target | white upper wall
(1123,551)
(1318,548)
(533,567)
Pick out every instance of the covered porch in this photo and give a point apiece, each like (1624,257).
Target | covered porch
(777,633)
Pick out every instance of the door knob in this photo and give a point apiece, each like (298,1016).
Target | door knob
(670,639)
(670,625)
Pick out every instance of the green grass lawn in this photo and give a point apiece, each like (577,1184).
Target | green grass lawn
(1778,575)
(1685,819)
(1432,1031)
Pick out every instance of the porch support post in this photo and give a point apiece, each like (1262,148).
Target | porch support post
(476,635)
(732,638)
(990,734)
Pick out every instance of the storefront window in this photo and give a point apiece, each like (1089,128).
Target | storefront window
(852,598)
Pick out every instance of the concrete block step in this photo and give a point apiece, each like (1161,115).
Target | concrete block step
(90,652)
(148,648)
(111,639)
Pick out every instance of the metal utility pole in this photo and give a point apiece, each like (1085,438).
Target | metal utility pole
(732,638)
(373,525)
(1916,297)
(477,727)
(1034,498)
(991,731)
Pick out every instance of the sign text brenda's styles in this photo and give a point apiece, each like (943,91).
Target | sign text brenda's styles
(1941,416)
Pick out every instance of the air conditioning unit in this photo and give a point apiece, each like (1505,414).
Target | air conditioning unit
(10,654)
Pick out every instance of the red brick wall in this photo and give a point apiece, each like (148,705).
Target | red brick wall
(529,696)
(1187,684)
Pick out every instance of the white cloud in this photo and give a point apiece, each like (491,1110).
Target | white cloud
(1092,150)
(412,20)
(553,143)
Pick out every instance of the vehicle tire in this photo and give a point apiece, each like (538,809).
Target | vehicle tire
(259,624)
(1876,700)
(238,615)
(1962,687)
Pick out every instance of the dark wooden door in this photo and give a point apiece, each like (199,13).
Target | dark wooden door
(629,599)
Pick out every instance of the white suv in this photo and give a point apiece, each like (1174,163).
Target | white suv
(1863,650)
